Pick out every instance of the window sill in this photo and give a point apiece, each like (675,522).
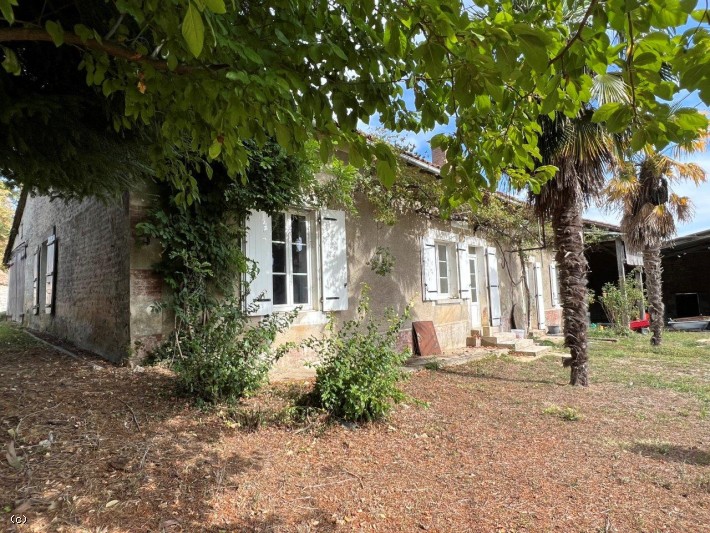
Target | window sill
(449,301)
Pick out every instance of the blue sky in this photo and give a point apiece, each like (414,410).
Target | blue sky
(700,196)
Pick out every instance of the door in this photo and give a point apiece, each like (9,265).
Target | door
(539,297)
(475,310)
(493,288)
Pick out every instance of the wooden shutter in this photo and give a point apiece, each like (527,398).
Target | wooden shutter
(334,260)
(539,296)
(554,286)
(35,282)
(259,298)
(493,286)
(464,271)
(430,281)
(50,282)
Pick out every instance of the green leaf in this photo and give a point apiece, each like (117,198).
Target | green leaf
(604,112)
(215,150)
(11,63)
(56,32)
(216,6)
(6,10)
(193,30)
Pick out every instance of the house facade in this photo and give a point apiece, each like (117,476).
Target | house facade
(79,271)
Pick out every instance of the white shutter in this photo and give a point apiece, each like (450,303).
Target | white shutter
(493,287)
(464,271)
(430,285)
(50,281)
(35,283)
(539,296)
(258,249)
(554,285)
(334,257)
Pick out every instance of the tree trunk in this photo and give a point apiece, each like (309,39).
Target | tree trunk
(572,268)
(654,288)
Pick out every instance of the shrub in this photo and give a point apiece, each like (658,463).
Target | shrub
(619,302)
(357,378)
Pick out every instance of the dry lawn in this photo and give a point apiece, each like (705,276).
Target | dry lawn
(496,445)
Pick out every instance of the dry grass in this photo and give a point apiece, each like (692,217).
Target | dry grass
(483,456)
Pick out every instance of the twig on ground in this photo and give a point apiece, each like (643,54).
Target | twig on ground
(362,485)
(17,427)
(132,413)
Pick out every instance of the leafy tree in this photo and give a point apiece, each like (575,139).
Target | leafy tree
(202,76)
(650,210)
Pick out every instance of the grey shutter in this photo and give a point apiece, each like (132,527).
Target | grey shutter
(334,260)
(50,283)
(259,299)
(464,271)
(493,286)
(35,283)
(430,281)
(539,296)
(554,286)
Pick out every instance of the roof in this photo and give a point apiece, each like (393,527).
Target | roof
(695,242)
(15,226)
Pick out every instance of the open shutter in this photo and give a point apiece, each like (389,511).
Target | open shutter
(334,256)
(493,286)
(464,271)
(430,285)
(259,299)
(554,286)
(35,282)
(50,282)
(539,296)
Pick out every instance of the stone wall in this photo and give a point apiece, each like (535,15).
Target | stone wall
(92,285)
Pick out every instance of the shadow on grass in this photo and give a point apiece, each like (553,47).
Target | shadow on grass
(508,379)
(670,452)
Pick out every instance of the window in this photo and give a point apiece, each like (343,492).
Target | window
(445,258)
(301,260)
(290,243)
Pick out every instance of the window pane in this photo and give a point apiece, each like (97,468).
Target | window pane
(278,253)
(444,286)
(299,256)
(279,289)
(278,228)
(300,289)
(298,229)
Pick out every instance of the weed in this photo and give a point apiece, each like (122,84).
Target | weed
(570,414)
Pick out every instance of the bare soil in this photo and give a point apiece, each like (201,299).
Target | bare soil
(484,448)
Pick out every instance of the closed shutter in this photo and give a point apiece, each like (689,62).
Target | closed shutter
(464,271)
(554,286)
(493,286)
(35,282)
(539,296)
(430,282)
(50,283)
(259,298)
(334,258)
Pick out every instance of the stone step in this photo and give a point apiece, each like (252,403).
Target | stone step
(532,351)
(473,341)
(517,344)
(496,339)
(489,331)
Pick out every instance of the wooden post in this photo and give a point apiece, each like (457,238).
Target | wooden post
(620,256)
(642,302)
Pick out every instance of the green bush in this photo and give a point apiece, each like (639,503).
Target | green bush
(619,303)
(357,378)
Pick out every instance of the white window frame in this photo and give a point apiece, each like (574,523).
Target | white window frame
(451,269)
(310,261)
(472,253)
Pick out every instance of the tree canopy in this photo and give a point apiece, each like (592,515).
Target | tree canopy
(189,81)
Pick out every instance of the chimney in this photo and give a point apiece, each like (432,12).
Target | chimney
(438,157)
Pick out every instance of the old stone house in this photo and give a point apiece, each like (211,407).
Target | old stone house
(78,271)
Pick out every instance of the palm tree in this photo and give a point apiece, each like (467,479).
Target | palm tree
(582,151)
(650,211)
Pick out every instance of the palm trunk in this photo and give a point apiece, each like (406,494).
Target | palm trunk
(572,268)
(654,288)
